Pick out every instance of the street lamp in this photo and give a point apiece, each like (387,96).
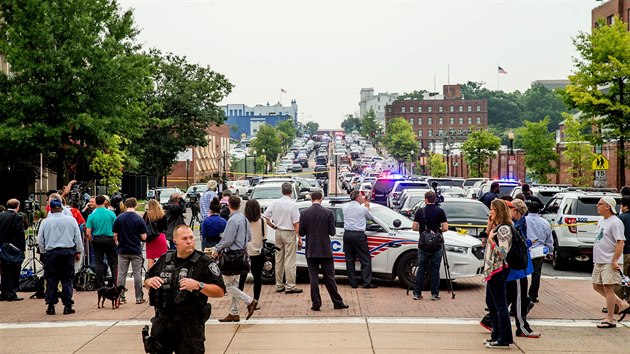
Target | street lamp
(422,162)
(511,151)
(265,158)
(447,150)
(413,158)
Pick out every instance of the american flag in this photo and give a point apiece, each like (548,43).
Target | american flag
(283,90)
(501,71)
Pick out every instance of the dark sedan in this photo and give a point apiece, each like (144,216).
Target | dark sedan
(468,214)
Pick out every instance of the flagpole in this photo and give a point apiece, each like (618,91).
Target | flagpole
(498,78)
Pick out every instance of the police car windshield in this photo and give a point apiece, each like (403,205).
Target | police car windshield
(271,192)
(388,216)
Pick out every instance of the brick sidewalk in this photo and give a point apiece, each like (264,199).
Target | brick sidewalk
(559,299)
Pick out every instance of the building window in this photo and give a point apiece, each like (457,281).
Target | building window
(420,132)
(469,120)
(402,109)
(440,132)
(240,112)
(420,109)
(478,108)
(440,120)
(452,121)
(430,109)
(451,108)
(461,120)
(440,109)
(430,120)
(389,109)
(460,108)
(419,120)
(430,132)
(411,121)
(230,114)
(411,109)
(478,120)
(469,108)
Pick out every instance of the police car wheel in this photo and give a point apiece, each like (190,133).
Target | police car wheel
(407,266)
(558,262)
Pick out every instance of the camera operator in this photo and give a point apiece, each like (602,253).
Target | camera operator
(117,203)
(174,211)
(11,232)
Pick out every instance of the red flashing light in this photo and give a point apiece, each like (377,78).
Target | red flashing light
(571,221)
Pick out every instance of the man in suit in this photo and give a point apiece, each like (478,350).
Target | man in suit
(318,224)
(11,231)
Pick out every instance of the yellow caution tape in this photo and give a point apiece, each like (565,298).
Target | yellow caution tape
(288,174)
(578,224)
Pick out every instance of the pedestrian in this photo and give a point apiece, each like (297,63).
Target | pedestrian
(433,219)
(174,210)
(129,232)
(495,272)
(100,231)
(317,224)
(179,285)
(539,234)
(325,186)
(254,247)
(355,216)
(213,226)
(225,210)
(529,197)
(11,232)
(607,250)
(155,220)
(60,239)
(516,282)
(235,237)
(283,216)
(206,199)
(622,292)
(491,195)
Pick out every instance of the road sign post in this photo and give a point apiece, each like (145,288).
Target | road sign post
(600,165)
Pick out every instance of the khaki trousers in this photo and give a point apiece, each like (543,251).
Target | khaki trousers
(285,259)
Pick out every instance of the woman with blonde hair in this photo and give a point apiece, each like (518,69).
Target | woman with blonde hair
(155,218)
(495,273)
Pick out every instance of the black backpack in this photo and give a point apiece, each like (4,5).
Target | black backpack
(224,212)
(517,256)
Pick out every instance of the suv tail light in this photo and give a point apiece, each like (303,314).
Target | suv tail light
(571,221)
(394,195)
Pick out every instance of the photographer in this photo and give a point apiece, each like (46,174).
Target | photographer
(174,210)
(430,219)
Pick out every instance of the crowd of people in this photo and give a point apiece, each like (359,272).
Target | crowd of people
(180,278)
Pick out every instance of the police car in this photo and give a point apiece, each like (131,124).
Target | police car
(394,246)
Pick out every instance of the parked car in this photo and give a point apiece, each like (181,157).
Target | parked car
(201,188)
(400,186)
(543,192)
(505,187)
(408,200)
(281,170)
(164,194)
(394,247)
(239,187)
(320,171)
(573,217)
(382,187)
(296,167)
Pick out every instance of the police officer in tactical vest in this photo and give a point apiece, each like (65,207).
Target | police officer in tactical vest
(179,285)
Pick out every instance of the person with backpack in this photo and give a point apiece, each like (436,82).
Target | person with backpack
(495,273)
(516,283)
(430,221)
(213,226)
(225,211)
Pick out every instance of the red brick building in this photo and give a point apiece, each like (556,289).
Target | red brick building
(433,117)
(608,9)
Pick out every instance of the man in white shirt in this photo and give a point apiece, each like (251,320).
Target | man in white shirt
(607,248)
(284,217)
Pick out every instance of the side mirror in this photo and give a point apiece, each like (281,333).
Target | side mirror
(245,197)
(397,223)
(375,227)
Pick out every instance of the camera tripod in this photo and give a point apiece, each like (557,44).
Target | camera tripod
(31,246)
(194,209)
(447,271)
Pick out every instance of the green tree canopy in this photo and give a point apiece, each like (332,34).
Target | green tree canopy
(311,128)
(77,78)
(578,153)
(415,94)
(351,123)
(400,140)
(598,86)
(478,147)
(287,127)
(437,165)
(369,125)
(183,106)
(267,143)
(540,156)
(539,102)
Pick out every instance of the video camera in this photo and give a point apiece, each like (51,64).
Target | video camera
(79,189)
(439,198)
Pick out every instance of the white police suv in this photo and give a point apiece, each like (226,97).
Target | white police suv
(394,247)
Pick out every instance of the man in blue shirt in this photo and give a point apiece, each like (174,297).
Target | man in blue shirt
(212,226)
(60,239)
(206,199)
(355,216)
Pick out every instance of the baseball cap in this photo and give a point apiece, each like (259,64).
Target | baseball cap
(55,203)
(611,203)
(509,204)
(520,206)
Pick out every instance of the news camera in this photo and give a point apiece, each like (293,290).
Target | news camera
(78,190)
(439,198)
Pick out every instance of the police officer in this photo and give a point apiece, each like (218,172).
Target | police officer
(179,285)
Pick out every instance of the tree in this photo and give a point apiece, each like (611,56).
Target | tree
(578,153)
(267,143)
(108,163)
(77,78)
(311,128)
(287,128)
(415,94)
(504,109)
(437,166)
(598,86)
(369,126)
(478,147)
(182,107)
(351,123)
(400,140)
(540,156)
(539,102)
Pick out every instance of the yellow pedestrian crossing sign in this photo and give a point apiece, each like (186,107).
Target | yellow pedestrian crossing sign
(600,163)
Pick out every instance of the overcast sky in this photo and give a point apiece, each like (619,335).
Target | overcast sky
(323,52)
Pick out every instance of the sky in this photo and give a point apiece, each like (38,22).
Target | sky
(323,52)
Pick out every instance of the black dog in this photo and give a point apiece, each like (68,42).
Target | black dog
(113,294)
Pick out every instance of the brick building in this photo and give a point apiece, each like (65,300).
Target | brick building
(433,117)
(608,9)
(204,162)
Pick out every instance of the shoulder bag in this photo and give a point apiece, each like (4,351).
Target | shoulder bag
(234,262)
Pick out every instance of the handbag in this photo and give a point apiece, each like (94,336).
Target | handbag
(234,262)
(152,231)
(10,254)
(429,240)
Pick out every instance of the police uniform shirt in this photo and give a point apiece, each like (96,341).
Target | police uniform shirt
(204,270)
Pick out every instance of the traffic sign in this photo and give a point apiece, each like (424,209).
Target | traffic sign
(600,163)
(600,175)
